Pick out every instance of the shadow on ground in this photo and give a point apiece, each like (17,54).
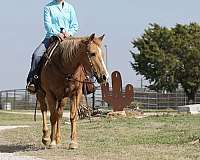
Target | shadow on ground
(9,148)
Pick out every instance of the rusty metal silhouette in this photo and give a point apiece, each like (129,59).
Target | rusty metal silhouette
(116,97)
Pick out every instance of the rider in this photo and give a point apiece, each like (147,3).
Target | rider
(59,20)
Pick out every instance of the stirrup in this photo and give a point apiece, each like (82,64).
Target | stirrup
(35,77)
(31,88)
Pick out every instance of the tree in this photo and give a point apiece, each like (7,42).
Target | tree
(167,57)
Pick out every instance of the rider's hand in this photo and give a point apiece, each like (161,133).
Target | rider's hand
(61,36)
(66,34)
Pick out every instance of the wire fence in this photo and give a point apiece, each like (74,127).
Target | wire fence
(20,99)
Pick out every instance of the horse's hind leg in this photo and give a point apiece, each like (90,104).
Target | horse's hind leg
(60,109)
(43,107)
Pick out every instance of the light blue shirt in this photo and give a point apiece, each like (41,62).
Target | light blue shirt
(56,17)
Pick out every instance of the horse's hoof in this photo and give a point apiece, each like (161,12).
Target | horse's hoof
(52,144)
(73,145)
(58,141)
(45,141)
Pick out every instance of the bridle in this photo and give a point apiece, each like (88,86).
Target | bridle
(69,77)
(94,72)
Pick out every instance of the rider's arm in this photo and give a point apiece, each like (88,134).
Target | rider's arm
(48,24)
(73,27)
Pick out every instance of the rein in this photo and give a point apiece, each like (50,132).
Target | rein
(35,110)
(69,77)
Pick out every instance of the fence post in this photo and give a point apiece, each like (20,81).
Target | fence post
(168,99)
(185,99)
(6,100)
(25,98)
(176,100)
(148,100)
(93,100)
(14,99)
(156,100)
(1,100)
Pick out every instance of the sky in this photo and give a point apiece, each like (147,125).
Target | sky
(22,30)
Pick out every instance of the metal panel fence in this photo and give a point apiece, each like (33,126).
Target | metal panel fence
(158,100)
(16,99)
(21,99)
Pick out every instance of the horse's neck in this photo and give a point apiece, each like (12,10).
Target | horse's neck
(79,73)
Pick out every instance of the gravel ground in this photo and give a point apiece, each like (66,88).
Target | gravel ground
(12,156)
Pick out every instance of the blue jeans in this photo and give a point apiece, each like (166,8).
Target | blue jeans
(36,57)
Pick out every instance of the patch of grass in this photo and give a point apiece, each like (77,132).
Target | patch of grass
(16,119)
(156,137)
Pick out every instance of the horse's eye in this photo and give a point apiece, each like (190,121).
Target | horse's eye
(93,54)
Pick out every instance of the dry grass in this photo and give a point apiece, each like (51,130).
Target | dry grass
(153,138)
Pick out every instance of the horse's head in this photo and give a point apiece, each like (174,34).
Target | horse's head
(94,58)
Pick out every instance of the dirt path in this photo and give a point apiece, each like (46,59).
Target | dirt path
(6,154)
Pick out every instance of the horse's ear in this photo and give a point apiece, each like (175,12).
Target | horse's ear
(91,38)
(101,38)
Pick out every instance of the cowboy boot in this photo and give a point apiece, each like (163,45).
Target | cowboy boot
(31,85)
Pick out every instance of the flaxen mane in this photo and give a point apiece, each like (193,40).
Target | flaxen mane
(70,48)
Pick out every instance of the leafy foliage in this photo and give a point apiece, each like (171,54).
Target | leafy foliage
(167,57)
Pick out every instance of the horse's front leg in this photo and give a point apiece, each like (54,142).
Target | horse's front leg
(73,119)
(60,109)
(53,117)
(43,108)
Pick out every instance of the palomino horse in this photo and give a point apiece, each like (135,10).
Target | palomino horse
(63,77)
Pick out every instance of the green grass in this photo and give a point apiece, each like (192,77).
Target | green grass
(16,119)
(151,138)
